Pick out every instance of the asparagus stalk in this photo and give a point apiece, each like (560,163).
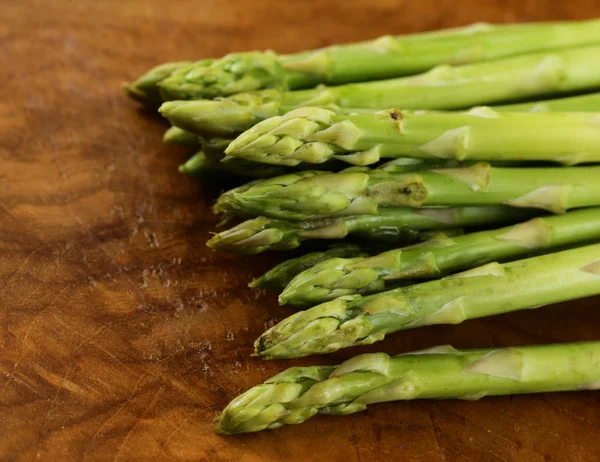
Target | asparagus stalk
(214,148)
(356,274)
(206,165)
(226,203)
(382,58)
(298,393)
(179,137)
(315,135)
(582,103)
(396,225)
(233,115)
(485,291)
(280,276)
(145,89)
(442,88)
(366,192)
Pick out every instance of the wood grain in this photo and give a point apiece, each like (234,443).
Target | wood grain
(121,334)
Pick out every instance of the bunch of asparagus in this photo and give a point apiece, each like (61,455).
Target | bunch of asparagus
(483,207)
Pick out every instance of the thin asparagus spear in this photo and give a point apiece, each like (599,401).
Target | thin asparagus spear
(145,89)
(280,276)
(205,165)
(441,255)
(214,148)
(400,225)
(315,135)
(442,88)
(229,117)
(485,291)
(582,103)
(298,393)
(382,58)
(180,137)
(226,202)
(365,192)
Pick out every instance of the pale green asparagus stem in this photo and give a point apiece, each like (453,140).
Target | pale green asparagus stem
(385,57)
(485,291)
(441,255)
(298,393)
(446,87)
(314,135)
(233,115)
(229,117)
(226,203)
(180,137)
(398,225)
(365,192)
(442,88)
(280,276)
(145,89)
(583,103)
(203,165)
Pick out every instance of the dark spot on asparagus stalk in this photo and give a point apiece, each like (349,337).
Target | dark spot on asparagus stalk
(396,114)
(397,117)
(411,192)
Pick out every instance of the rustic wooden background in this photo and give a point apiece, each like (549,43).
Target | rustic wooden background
(121,334)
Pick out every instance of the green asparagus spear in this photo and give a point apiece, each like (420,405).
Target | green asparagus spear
(442,88)
(485,291)
(180,137)
(229,117)
(233,115)
(298,393)
(226,203)
(396,225)
(280,276)
(315,135)
(582,103)
(203,165)
(382,58)
(214,148)
(365,192)
(145,89)
(441,255)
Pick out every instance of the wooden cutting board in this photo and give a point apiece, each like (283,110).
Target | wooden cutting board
(121,334)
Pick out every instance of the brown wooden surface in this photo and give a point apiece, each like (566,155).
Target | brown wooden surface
(121,334)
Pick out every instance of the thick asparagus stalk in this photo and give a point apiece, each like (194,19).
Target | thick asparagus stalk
(382,58)
(442,88)
(485,291)
(365,192)
(441,255)
(298,393)
(226,203)
(280,276)
(214,148)
(233,115)
(397,225)
(229,117)
(145,89)
(314,135)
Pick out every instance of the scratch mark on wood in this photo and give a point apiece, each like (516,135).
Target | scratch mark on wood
(42,433)
(437,434)
(114,416)
(128,434)
(21,266)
